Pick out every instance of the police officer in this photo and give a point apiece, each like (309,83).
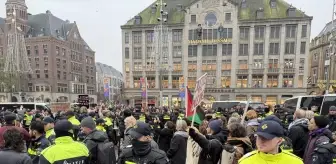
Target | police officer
(39,142)
(268,141)
(140,152)
(67,150)
(49,124)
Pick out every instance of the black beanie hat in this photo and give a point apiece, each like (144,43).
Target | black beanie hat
(321,121)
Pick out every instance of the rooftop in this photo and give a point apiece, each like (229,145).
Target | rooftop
(108,70)
(246,12)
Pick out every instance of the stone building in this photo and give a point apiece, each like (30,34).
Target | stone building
(250,49)
(63,64)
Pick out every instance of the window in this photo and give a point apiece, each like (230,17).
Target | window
(227,17)
(137,66)
(127,67)
(149,36)
(226,64)
(192,50)
(290,31)
(64,64)
(273,3)
(45,49)
(226,33)
(241,81)
(258,48)
(191,82)
(326,72)
(136,81)
(209,65)
(226,49)
(259,32)
(303,48)
(151,82)
(290,48)
(243,64)
(137,54)
(177,51)
(315,56)
(243,4)
(209,50)
(64,75)
(149,51)
(126,37)
(58,74)
(260,14)
(273,63)
(45,61)
(37,72)
(243,49)
(46,74)
(258,63)
(63,52)
(288,81)
(244,32)
(274,49)
(28,50)
(209,34)
(275,32)
(177,35)
(193,19)
(126,53)
(291,12)
(289,63)
(193,35)
(165,82)
(192,65)
(175,82)
(137,20)
(36,50)
(300,84)
(226,82)
(57,50)
(58,63)
(257,81)
(177,66)
(314,80)
(301,64)
(304,31)
(37,88)
(272,81)
(137,37)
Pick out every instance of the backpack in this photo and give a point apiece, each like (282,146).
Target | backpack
(230,154)
(105,153)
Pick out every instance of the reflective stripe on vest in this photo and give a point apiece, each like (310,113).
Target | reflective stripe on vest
(142,118)
(166,117)
(129,162)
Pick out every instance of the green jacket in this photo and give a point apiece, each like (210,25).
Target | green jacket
(65,150)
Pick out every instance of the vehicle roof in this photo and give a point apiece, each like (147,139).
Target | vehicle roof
(19,103)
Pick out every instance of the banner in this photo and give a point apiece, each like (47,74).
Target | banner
(193,151)
(84,100)
(199,91)
(182,87)
(59,106)
(107,88)
(143,86)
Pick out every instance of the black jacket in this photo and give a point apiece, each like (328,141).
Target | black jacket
(8,156)
(299,135)
(165,136)
(211,149)
(154,156)
(324,154)
(91,141)
(220,136)
(177,152)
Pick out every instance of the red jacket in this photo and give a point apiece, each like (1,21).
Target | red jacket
(23,131)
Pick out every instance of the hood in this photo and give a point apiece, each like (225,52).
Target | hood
(326,147)
(221,136)
(322,132)
(182,133)
(245,141)
(301,121)
(253,122)
(97,135)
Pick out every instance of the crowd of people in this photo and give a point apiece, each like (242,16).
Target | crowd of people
(160,136)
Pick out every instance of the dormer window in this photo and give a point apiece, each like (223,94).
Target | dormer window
(243,4)
(137,20)
(273,3)
(260,13)
(179,7)
(291,12)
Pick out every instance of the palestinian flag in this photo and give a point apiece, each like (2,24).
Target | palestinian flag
(199,114)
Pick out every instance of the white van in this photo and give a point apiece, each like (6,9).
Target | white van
(26,105)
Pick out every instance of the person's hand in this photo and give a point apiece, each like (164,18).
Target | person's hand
(193,131)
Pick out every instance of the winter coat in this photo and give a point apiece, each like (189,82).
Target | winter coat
(221,136)
(8,156)
(177,152)
(316,137)
(299,134)
(92,139)
(243,146)
(165,136)
(24,132)
(324,153)
(211,148)
(252,126)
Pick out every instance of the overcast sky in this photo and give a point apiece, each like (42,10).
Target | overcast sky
(99,20)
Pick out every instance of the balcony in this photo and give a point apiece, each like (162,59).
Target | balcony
(192,74)
(226,73)
(177,72)
(137,73)
(258,71)
(289,70)
(273,70)
(150,73)
(242,71)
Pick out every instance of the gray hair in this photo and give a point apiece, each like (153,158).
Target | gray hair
(181,125)
(234,120)
(309,114)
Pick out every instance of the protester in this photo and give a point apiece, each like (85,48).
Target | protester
(13,150)
(165,135)
(39,141)
(141,149)
(177,152)
(67,150)
(299,133)
(217,131)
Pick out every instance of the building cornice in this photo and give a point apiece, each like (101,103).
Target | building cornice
(276,20)
(123,27)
